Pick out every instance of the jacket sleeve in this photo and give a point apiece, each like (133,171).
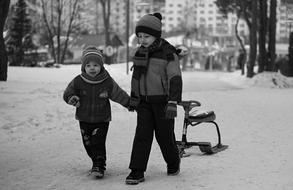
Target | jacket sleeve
(69,91)
(119,95)
(174,78)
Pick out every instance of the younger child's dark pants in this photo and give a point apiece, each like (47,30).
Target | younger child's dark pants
(94,140)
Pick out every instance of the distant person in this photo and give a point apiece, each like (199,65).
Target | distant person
(229,65)
(90,92)
(240,60)
(156,88)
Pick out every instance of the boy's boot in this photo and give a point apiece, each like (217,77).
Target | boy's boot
(135,177)
(174,170)
(99,167)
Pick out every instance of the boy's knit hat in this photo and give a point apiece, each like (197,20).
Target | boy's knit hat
(150,24)
(91,53)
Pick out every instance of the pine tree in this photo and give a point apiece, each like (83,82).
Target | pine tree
(4,7)
(20,28)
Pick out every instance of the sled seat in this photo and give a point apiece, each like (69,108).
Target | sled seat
(194,115)
(201,116)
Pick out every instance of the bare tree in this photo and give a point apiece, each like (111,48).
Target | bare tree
(4,7)
(262,34)
(106,7)
(59,19)
(242,9)
(253,40)
(272,35)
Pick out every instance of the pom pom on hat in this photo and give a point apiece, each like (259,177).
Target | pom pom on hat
(158,15)
(91,53)
(150,24)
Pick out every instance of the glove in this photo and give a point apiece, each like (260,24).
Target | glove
(74,100)
(133,103)
(171,110)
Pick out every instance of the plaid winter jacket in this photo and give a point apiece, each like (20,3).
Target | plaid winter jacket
(94,98)
(157,76)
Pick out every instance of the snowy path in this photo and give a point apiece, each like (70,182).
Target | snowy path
(41,146)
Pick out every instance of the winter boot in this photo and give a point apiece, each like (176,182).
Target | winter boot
(99,167)
(173,170)
(135,177)
(98,172)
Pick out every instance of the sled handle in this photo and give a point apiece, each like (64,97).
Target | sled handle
(189,104)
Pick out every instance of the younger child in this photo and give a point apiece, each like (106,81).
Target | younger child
(90,92)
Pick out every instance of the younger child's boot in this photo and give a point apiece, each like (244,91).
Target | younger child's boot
(99,167)
(98,172)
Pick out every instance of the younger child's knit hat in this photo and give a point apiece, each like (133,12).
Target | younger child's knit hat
(91,53)
(150,24)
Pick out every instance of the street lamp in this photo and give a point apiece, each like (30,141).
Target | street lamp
(127,36)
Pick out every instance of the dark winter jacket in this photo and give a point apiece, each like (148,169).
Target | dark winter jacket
(157,76)
(94,98)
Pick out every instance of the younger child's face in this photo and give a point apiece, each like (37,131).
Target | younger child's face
(145,39)
(92,68)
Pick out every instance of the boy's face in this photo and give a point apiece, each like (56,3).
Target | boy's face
(92,68)
(145,39)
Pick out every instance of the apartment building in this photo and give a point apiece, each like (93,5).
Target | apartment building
(284,19)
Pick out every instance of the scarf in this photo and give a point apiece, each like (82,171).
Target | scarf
(141,57)
(103,75)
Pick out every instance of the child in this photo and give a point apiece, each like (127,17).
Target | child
(156,87)
(90,92)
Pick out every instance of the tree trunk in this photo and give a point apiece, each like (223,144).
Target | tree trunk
(4,7)
(241,44)
(290,52)
(58,35)
(106,17)
(253,41)
(74,6)
(272,36)
(262,33)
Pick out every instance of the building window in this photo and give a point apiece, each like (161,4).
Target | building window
(282,31)
(202,19)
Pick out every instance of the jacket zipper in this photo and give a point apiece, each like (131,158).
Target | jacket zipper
(145,82)
(93,104)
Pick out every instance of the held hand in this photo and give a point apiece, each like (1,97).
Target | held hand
(133,103)
(171,110)
(74,100)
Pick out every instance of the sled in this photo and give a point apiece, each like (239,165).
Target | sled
(193,117)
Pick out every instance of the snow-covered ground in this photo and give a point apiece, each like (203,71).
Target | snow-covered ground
(41,146)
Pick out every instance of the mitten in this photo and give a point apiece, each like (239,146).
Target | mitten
(133,103)
(171,110)
(74,100)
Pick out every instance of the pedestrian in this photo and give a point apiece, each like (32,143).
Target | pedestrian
(90,93)
(156,88)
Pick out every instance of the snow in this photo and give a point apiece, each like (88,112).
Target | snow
(41,144)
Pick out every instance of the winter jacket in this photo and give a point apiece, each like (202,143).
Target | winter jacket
(94,98)
(157,76)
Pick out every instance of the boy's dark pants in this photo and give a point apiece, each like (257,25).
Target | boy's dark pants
(150,118)
(94,140)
